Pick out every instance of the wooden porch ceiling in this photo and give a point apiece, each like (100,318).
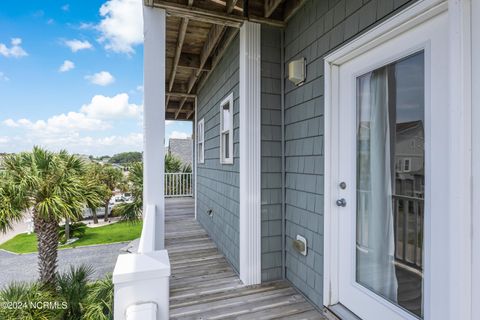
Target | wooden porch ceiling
(198,32)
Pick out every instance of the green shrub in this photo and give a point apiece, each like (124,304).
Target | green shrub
(26,301)
(72,298)
(72,286)
(77,230)
(99,304)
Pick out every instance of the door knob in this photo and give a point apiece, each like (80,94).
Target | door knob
(342,202)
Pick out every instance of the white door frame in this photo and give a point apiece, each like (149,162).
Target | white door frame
(457,287)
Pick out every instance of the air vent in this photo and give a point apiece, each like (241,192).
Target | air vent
(300,245)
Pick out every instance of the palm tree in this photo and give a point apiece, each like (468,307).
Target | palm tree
(174,164)
(133,211)
(94,178)
(112,179)
(51,186)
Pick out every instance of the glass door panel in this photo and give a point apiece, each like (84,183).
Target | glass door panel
(391,182)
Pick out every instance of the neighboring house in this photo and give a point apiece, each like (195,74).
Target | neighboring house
(346,126)
(182,149)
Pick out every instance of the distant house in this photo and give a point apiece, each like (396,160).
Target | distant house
(182,149)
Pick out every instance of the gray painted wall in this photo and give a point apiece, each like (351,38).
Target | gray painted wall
(317,28)
(218,184)
(271,154)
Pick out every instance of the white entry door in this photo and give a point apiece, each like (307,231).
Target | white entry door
(390,100)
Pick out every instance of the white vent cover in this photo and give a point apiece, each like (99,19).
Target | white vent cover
(297,71)
(301,245)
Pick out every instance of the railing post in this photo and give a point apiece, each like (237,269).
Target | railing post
(178,184)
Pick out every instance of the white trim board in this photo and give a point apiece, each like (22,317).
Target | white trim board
(475,19)
(250,155)
(458,284)
(195,157)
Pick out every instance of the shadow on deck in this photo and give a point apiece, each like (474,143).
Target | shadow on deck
(204,286)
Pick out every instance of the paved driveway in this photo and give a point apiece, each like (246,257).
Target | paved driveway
(23,267)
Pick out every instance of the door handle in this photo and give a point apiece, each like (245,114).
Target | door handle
(341,202)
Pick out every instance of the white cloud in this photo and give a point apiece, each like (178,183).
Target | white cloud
(102,78)
(66,66)
(179,135)
(87,26)
(3,77)
(132,139)
(94,129)
(10,123)
(102,107)
(66,7)
(15,51)
(77,45)
(121,26)
(71,121)
(140,88)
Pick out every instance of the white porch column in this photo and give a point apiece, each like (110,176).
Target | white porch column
(141,279)
(250,154)
(154,118)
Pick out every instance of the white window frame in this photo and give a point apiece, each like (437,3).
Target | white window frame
(224,160)
(201,141)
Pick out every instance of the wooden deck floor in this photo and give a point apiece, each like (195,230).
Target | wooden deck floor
(204,286)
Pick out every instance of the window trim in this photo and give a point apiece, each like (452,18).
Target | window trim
(201,141)
(223,160)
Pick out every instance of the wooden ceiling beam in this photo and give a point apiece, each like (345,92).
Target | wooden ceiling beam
(192,61)
(214,35)
(213,38)
(178,50)
(231,5)
(213,17)
(271,6)
(203,15)
(190,114)
(180,106)
(181,95)
(291,7)
(231,34)
(189,106)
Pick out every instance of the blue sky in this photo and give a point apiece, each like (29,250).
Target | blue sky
(71,76)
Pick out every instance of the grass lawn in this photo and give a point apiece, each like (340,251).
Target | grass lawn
(117,232)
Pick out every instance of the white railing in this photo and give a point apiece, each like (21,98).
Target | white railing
(178,184)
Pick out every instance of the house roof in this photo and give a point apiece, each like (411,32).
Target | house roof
(198,32)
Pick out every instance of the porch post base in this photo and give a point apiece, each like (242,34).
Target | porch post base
(142,279)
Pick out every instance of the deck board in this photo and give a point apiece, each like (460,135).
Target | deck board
(204,286)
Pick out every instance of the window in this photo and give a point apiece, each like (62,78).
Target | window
(226,130)
(201,143)
(406,165)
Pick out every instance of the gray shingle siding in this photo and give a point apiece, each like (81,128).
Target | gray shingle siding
(317,28)
(218,184)
(271,145)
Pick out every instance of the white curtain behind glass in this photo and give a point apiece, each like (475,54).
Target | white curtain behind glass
(375,235)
